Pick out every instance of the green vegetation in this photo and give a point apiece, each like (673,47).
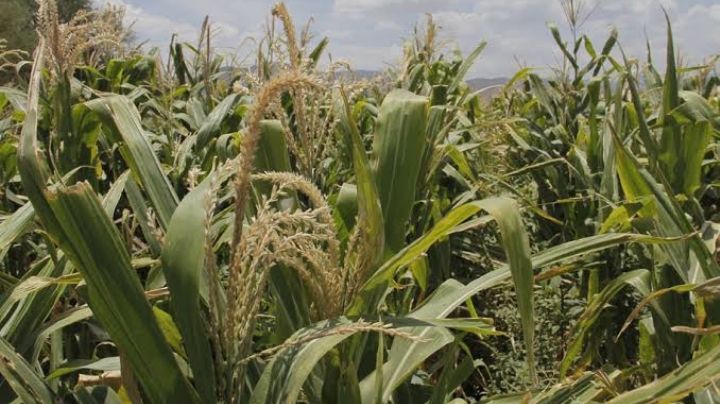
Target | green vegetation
(17,25)
(198,231)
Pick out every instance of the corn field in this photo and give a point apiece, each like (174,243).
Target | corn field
(180,227)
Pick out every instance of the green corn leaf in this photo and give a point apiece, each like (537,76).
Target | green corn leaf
(370,214)
(671,221)
(607,47)
(652,147)
(70,317)
(671,139)
(48,285)
(97,395)
(15,225)
(115,294)
(405,356)
(452,378)
(213,123)
(451,294)
(285,375)
(22,377)
(694,109)
(515,244)
(75,219)
(517,249)
(16,97)
(563,46)
(692,377)
(398,144)
(105,364)
(638,279)
(138,204)
(183,258)
(123,121)
(588,388)
(347,205)
(314,56)
(465,66)
(695,139)
(272,155)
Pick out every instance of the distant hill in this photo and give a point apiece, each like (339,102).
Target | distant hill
(476,83)
(366,74)
(480,83)
(492,85)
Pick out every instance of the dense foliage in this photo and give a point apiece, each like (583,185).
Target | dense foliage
(17,20)
(194,230)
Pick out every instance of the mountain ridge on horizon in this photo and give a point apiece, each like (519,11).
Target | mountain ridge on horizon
(476,83)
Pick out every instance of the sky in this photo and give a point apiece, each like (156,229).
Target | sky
(369,33)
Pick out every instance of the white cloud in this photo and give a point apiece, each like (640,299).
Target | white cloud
(699,28)
(374,5)
(368,57)
(370,32)
(156,28)
(516,29)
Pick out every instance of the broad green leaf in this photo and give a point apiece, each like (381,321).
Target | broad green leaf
(16,97)
(26,316)
(115,294)
(170,331)
(291,303)
(671,139)
(21,220)
(517,250)
(104,364)
(183,258)
(465,66)
(33,284)
(75,219)
(272,155)
(399,142)
(588,388)
(695,140)
(97,395)
(285,374)
(140,209)
(563,46)
(370,213)
(68,318)
(515,243)
(22,377)
(643,128)
(670,219)
(347,205)
(212,124)
(15,225)
(452,378)
(691,377)
(314,56)
(639,279)
(122,119)
(405,356)
(694,109)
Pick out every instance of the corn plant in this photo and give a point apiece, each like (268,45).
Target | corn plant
(199,231)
